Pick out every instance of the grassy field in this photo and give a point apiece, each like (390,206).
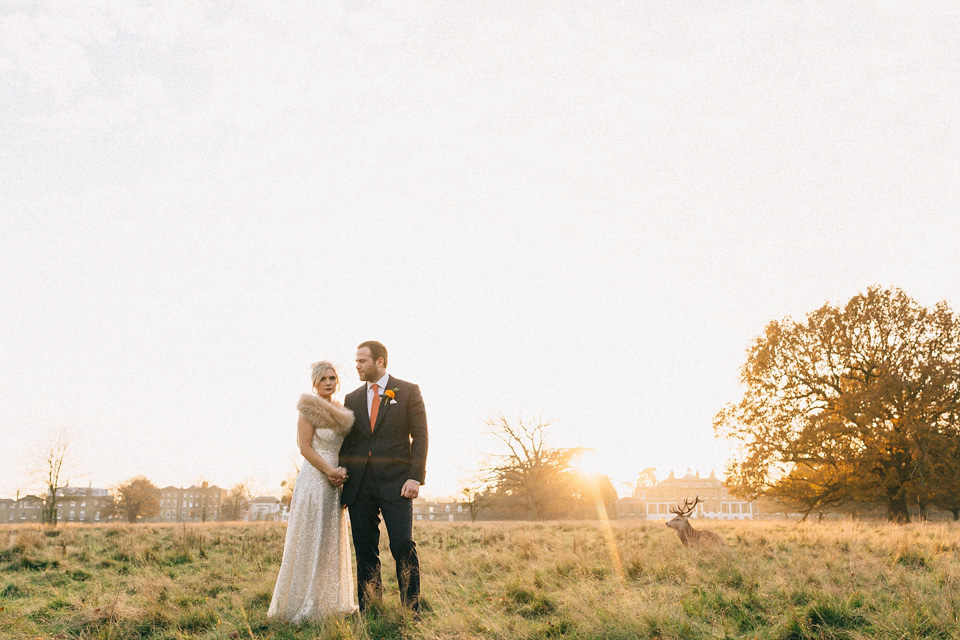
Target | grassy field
(498,580)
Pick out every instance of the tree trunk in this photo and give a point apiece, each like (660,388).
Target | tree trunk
(49,514)
(897,508)
(956,514)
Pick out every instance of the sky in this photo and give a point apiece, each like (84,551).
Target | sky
(570,211)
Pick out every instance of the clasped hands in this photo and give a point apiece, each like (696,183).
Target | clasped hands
(338,476)
(410,489)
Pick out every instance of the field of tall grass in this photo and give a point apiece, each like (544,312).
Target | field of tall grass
(497,580)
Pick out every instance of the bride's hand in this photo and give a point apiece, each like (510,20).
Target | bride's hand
(338,476)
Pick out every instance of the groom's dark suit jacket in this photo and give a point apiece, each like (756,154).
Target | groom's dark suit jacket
(395,452)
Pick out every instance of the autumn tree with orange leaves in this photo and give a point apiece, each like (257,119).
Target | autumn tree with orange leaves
(138,498)
(855,402)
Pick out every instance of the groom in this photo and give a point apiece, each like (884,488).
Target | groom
(385,454)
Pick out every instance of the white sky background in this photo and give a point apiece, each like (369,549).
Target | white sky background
(575,209)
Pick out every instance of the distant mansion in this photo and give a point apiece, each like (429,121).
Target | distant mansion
(653,502)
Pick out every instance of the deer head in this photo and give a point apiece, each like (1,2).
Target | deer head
(688,535)
(683,513)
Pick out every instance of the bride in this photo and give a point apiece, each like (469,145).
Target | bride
(316,574)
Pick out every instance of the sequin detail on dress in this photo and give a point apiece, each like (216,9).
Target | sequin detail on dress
(316,574)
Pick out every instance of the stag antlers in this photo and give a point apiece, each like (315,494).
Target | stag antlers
(687,508)
(688,535)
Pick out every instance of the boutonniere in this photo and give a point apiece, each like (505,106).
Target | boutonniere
(389,396)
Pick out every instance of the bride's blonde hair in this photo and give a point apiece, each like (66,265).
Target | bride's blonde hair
(319,368)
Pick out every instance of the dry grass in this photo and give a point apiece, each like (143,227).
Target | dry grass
(497,580)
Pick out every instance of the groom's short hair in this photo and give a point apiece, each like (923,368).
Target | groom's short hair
(377,350)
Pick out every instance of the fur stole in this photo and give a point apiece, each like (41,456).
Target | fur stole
(325,415)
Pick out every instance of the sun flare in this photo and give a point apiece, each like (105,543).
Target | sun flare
(591,463)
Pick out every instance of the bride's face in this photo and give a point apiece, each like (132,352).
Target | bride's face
(327,384)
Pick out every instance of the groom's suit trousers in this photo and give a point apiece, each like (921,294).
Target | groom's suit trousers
(365,512)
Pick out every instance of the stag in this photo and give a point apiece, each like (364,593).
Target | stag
(688,535)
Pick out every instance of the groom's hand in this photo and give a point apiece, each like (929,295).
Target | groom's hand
(410,489)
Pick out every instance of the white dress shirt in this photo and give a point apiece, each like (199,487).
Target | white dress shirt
(381,387)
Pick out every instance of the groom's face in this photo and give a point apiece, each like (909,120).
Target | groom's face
(370,370)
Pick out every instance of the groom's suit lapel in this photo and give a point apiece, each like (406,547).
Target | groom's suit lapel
(362,404)
(384,407)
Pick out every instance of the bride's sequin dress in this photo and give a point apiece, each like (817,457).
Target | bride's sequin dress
(316,574)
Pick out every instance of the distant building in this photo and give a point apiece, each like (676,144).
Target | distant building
(74,504)
(442,511)
(191,504)
(7,510)
(82,504)
(26,509)
(267,509)
(653,502)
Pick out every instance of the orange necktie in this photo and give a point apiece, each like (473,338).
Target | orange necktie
(374,408)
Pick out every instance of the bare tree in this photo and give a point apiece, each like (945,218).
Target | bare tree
(532,476)
(50,467)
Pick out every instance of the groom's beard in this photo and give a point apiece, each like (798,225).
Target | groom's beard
(372,376)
